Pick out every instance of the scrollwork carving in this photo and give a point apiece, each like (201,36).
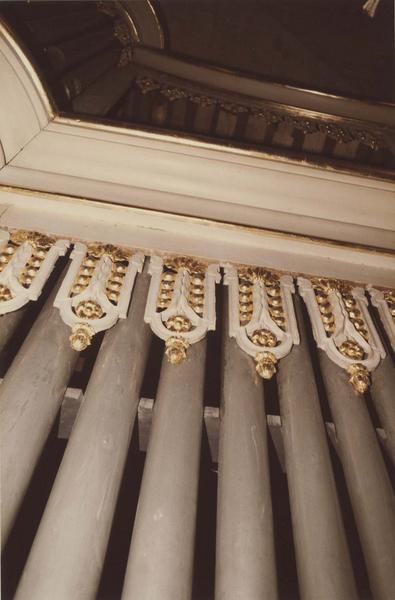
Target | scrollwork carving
(342,327)
(181,302)
(261,315)
(96,290)
(26,261)
(384,301)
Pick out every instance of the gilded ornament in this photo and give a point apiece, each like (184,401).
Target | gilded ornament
(349,302)
(265,364)
(359,377)
(245,287)
(280,321)
(264,337)
(81,336)
(176,350)
(389,297)
(275,301)
(5,293)
(321,297)
(192,266)
(178,323)
(323,285)
(96,251)
(173,93)
(39,241)
(352,350)
(273,292)
(89,309)
(113,296)
(245,308)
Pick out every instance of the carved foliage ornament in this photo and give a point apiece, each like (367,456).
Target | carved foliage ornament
(343,328)
(261,315)
(96,290)
(384,300)
(341,134)
(26,261)
(181,302)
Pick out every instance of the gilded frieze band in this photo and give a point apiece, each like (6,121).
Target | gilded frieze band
(180,308)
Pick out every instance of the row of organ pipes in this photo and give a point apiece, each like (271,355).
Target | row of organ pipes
(174,298)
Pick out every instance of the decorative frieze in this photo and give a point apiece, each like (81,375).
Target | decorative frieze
(384,300)
(261,315)
(96,290)
(181,302)
(26,261)
(338,132)
(343,328)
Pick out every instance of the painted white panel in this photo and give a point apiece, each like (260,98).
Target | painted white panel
(138,228)
(212,175)
(24,106)
(198,207)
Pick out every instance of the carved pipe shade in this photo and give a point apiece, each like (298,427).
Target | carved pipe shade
(343,328)
(96,290)
(261,315)
(181,302)
(26,261)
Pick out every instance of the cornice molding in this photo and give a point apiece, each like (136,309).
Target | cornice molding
(178,175)
(87,221)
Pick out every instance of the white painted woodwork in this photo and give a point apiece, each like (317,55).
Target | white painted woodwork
(185,176)
(204,180)
(24,105)
(179,305)
(138,228)
(96,290)
(344,329)
(261,318)
(387,319)
(9,276)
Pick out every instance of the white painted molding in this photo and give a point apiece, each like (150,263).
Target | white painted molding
(179,305)
(89,221)
(177,174)
(93,296)
(344,330)
(379,301)
(17,258)
(261,319)
(24,105)
(204,180)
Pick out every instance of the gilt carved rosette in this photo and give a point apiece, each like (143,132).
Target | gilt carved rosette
(181,302)
(343,328)
(96,290)
(26,261)
(261,315)
(384,301)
